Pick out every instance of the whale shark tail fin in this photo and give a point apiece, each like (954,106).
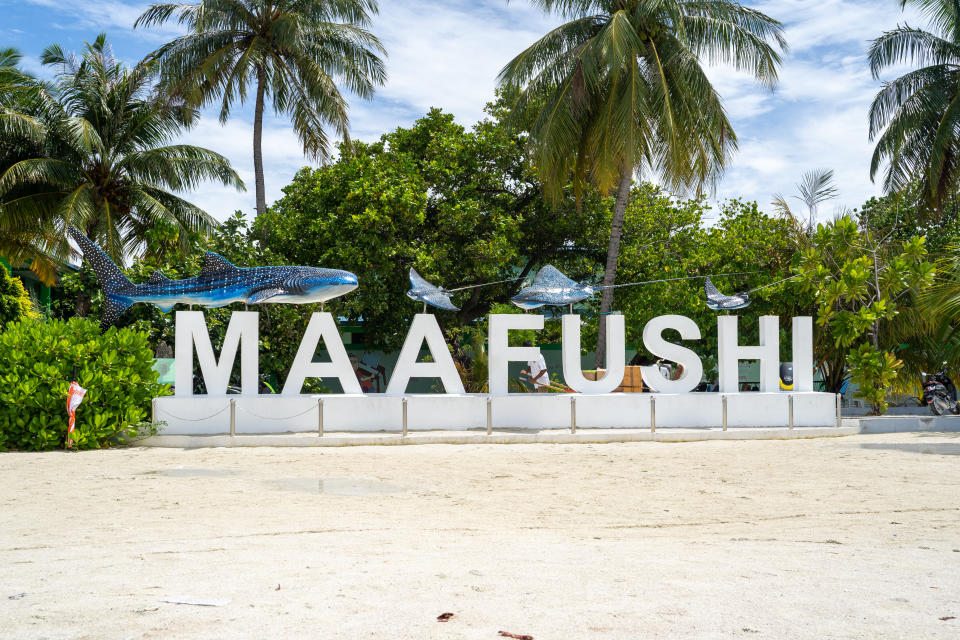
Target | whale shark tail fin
(110,276)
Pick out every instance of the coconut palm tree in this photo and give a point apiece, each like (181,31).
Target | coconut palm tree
(916,117)
(620,88)
(20,137)
(294,50)
(100,161)
(815,187)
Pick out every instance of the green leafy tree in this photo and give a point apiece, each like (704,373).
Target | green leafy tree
(296,52)
(916,117)
(677,240)
(103,165)
(621,87)
(860,280)
(461,207)
(905,213)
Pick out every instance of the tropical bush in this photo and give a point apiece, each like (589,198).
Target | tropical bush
(875,372)
(115,368)
(15,303)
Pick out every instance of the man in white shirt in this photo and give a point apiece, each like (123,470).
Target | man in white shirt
(537,372)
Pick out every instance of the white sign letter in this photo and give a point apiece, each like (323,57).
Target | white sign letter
(424,327)
(500,351)
(729,353)
(572,373)
(321,326)
(690,361)
(242,332)
(803,353)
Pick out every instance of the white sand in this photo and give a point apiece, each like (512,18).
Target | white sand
(831,538)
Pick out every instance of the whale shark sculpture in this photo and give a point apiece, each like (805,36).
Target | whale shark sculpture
(552,288)
(218,284)
(423,291)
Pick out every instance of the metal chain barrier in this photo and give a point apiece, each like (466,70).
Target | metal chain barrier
(214,415)
(304,412)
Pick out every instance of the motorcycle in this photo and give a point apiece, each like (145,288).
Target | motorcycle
(940,393)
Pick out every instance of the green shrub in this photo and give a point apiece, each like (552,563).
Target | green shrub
(115,368)
(15,304)
(875,371)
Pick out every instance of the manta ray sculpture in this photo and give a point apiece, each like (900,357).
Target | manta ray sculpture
(423,291)
(720,302)
(552,288)
(218,284)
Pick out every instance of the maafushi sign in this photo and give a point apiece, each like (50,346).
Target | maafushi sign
(221,283)
(243,336)
(592,406)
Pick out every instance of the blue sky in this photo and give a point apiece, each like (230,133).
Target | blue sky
(447,53)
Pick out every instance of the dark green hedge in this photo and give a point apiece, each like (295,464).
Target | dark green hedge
(116,369)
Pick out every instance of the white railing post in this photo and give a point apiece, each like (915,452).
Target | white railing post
(320,417)
(573,414)
(790,404)
(233,417)
(838,410)
(653,413)
(404,417)
(723,401)
(489,416)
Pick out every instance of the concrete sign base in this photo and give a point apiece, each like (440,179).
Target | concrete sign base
(266,414)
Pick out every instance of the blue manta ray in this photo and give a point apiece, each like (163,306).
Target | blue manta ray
(720,302)
(219,284)
(552,288)
(423,291)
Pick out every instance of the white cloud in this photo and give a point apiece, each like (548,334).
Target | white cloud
(448,54)
(106,15)
(282,158)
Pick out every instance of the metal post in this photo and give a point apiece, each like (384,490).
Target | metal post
(153,412)
(573,414)
(233,417)
(489,416)
(838,410)
(723,401)
(404,417)
(320,416)
(790,404)
(653,413)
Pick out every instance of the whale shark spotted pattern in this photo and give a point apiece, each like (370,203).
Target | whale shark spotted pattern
(219,283)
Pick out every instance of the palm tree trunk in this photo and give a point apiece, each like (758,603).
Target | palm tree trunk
(257,143)
(610,271)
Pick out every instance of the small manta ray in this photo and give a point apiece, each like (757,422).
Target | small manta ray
(423,291)
(219,284)
(552,288)
(720,302)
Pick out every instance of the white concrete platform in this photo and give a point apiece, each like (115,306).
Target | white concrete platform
(526,436)
(272,414)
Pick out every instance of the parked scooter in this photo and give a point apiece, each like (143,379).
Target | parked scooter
(940,393)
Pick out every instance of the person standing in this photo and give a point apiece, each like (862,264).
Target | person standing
(536,371)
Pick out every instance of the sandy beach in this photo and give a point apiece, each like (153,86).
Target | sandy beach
(848,537)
